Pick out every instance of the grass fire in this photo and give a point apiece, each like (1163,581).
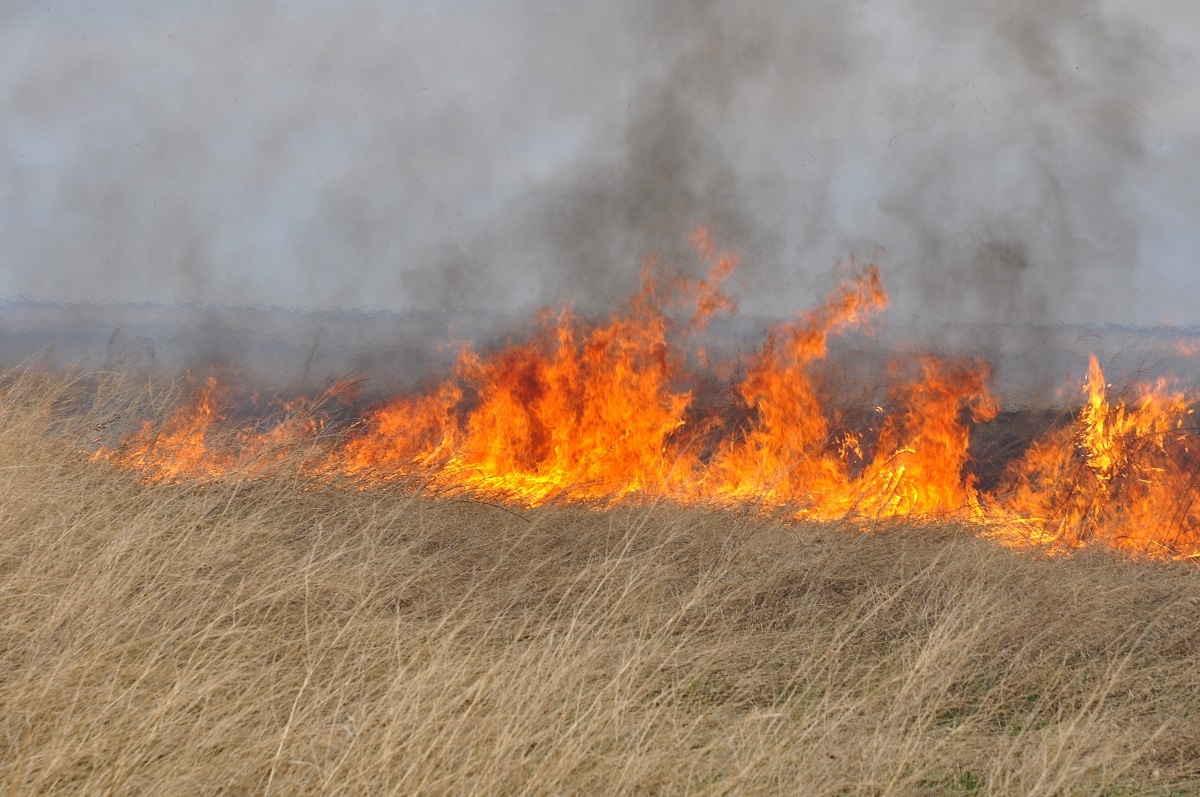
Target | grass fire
(614,555)
(697,397)
(632,408)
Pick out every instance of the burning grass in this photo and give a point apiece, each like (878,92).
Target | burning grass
(634,408)
(267,632)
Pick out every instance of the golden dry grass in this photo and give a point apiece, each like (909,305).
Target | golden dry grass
(261,638)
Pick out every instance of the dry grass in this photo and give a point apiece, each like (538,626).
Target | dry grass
(258,638)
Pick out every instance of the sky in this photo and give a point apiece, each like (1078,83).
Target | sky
(1013,161)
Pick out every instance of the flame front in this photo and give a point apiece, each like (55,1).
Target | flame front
(624,409)
(1125,475)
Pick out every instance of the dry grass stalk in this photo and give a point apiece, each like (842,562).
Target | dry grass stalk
(259,638)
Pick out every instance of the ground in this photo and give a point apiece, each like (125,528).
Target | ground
(270,636)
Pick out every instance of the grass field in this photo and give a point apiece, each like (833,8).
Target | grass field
(273,637)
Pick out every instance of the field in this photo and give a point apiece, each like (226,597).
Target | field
(275,636)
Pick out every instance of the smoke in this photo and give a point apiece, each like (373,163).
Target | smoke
(1029,214)
(671,160)
(996,168)
(433,155)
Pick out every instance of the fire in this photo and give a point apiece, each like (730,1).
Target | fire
(589,409)
(1188,348)
(624,409)
(195,442)
(924,446)
(180,447)
(784,456)
(1123,474)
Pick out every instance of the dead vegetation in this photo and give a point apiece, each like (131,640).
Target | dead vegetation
(267,636)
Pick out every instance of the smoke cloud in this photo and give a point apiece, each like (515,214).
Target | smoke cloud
(426,155)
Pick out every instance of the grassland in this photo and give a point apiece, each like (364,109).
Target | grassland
(268,637)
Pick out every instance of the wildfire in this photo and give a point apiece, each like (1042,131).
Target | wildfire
(197,442)
(623,409)
(1122,474)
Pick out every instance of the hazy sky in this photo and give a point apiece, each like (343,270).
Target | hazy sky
(1013,160)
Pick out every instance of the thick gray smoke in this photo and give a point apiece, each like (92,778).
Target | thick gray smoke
(425,155)
(1003,192)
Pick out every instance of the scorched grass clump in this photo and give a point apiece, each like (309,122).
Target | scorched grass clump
(270,635)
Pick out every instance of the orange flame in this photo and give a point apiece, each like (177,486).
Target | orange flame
(194,444)
(589,409)
(180,447)
(926,443)
(620,409)
(784,456)
(1126,476)
(1188,348)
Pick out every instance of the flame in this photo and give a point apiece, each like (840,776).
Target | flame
(784,455)
(194,442)
(1125,475)
(1188,348)
(926,444)
(589,409)
(180,446)
(624,409)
